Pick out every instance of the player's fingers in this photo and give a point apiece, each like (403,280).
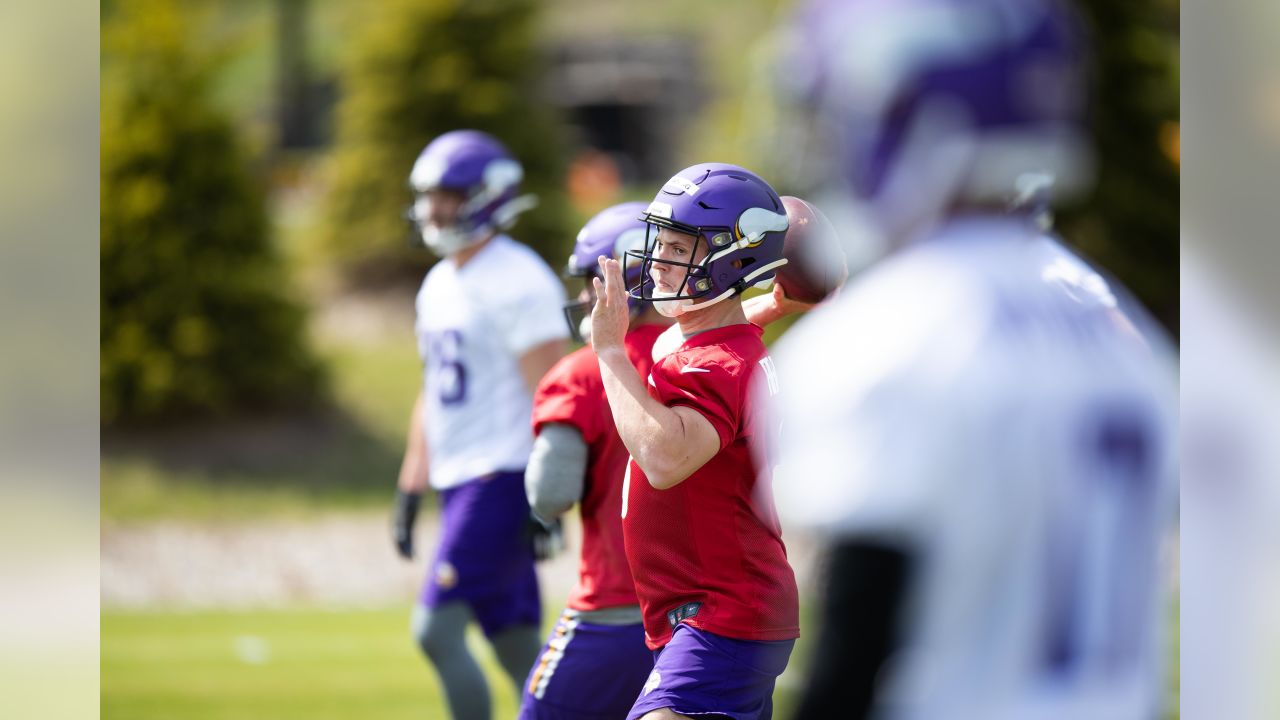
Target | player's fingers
(606,265)
(615,274)
(601,299)
(601,283)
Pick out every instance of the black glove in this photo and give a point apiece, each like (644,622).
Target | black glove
(547,539)
(406,512)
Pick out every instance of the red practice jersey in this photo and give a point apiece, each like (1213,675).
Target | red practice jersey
(572,392)
(709,552)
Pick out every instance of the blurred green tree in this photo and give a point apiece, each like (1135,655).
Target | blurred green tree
(417,69)
(1129,223)
(195,320)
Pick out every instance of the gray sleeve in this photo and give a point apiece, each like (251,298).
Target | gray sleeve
(557,468)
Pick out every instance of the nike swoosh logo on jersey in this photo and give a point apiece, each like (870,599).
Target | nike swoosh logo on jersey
(691,369)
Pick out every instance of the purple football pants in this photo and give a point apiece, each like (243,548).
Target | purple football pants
(586,672)
(484,557)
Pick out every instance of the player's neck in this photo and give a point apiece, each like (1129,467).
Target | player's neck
(651,317)
(461,257)
(725,312)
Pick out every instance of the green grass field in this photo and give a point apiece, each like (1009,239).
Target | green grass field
(312,664)
(308,664)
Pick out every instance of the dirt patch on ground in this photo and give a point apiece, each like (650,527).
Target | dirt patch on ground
(344,559)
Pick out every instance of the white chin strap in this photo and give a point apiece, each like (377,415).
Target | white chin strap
(670,308)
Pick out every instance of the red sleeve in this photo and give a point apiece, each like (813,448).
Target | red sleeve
(570,393)
(704,383)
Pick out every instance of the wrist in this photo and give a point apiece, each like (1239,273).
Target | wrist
(769,314)
(407,501)
(610,351)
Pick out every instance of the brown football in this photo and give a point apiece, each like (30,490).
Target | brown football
(815,262)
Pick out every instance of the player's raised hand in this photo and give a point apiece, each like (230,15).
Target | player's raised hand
(611,315)
(786,305)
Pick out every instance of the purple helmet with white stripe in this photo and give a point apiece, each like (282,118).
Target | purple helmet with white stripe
(734,215)
(479,167)
(923,105)
(612,233)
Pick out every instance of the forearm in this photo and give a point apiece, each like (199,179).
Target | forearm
(536,361)
(557,467)
(866,589)
(653,433)
(414,467)
(761,310)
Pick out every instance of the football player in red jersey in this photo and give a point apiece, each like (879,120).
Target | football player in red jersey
(717,594)
(595,661)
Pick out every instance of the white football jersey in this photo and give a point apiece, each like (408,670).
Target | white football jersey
(473,324)
(1230,540)
(992,405)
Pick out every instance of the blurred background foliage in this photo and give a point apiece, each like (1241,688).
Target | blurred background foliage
(196,315)
(417,69)
(1129,222)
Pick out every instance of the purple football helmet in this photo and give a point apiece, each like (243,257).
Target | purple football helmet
(478,166)
(613,232)
(731,212)
(920,106)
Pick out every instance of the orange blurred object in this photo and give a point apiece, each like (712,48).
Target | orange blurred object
(593,181)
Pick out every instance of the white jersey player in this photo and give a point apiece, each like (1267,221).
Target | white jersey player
(1000,449)
(1230,541)
(488,327)
(473,324)
(982,424)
